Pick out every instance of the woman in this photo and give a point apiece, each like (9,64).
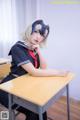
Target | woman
(26,58)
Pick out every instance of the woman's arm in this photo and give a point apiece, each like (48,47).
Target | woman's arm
(43,64)
(42,72)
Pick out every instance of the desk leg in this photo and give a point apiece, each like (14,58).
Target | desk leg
(40,114)
(11,112)
(68,102)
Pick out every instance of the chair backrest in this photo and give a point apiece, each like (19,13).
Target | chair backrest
(4,70)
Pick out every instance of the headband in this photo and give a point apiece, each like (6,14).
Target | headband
(40,27)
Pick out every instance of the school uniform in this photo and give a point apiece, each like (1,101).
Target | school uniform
(20,55)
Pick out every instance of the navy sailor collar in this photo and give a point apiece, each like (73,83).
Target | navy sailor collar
(22,43)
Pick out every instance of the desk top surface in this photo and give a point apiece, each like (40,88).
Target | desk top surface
(4,60)
(38,90)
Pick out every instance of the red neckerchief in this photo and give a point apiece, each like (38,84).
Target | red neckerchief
(32,54)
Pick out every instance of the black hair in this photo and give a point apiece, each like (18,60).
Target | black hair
(39,26)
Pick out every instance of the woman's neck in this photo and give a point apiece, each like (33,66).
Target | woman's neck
(28,44)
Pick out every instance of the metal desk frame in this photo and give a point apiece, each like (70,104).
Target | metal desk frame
(36,108)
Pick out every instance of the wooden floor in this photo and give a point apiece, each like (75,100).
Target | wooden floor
(58,110)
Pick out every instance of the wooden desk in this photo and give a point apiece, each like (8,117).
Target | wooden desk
(36,93)
(4,61)
(4,67)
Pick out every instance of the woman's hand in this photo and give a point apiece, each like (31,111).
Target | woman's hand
(36,47)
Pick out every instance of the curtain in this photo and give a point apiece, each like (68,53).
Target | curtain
(8,26)
(15,15)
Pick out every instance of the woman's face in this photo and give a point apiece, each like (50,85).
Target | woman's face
(36,38)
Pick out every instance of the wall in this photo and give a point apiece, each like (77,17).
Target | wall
(63,45)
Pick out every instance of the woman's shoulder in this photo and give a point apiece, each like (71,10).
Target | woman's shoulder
(18,46)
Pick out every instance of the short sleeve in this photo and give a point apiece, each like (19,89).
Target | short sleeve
(19,55)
